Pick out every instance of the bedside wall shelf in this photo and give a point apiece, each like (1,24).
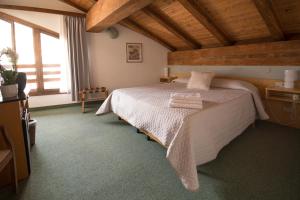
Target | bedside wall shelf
(283,94)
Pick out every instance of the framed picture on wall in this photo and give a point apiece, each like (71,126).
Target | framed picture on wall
(134,52)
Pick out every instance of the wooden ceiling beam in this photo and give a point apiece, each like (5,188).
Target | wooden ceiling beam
(171,26)
(106,13)
(76,5)
(43,10)
(130,24)
(202,16)
(266,11)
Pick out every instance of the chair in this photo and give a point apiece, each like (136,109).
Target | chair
(7,156)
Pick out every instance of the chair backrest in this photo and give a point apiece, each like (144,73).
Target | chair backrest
(6,137)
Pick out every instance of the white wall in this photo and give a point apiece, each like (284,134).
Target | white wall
(49,100)
(108,60)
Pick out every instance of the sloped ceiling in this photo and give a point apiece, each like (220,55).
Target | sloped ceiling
(195,24)
(225,22)
(50,4)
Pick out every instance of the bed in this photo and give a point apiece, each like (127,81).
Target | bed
(192,137)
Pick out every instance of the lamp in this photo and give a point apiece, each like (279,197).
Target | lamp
(290,76)
(166,72)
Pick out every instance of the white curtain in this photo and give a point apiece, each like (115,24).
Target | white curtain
(65,83)
(76,70)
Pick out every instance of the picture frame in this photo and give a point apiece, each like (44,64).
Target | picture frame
(134,52)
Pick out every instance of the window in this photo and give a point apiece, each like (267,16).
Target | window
(24,44)
(5,38)
(51,59)
(38,50)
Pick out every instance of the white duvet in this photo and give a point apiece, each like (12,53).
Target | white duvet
(193,137)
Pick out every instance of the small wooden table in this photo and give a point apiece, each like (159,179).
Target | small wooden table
(92,94)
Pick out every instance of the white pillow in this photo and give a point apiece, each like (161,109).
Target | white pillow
(234,84)
(181,80)
(200,80)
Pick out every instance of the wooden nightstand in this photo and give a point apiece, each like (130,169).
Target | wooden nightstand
(167,79)
(283,105)
(283,94)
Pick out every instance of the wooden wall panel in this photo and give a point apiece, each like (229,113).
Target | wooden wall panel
(288,14)
(187,22)
(273,53)
(154,27)
(239,19)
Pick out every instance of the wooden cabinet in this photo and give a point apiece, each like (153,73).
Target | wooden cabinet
(10,118)
(283,106)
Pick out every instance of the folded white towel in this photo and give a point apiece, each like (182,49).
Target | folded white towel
(185,96)
(185,100)
(181,105)
(188,101)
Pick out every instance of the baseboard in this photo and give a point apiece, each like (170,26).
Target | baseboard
(63,105)
(54,106)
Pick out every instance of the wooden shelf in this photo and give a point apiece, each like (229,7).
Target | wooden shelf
(285,90)
(283,94)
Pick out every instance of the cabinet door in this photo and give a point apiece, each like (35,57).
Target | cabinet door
(284,113)
(10,117)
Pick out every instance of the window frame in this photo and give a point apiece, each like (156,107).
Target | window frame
(38,65)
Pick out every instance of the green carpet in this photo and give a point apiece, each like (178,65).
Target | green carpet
(81,156)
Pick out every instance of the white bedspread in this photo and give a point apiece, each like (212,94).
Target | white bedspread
(147,108)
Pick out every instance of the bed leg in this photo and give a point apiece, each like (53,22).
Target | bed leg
(149,138)
(138,131)
(253,125)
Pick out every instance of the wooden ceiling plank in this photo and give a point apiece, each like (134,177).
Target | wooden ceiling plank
(75,5)
(43,10)
(128,23)
(266,11)
(171,26)
(202,16)
(106,13)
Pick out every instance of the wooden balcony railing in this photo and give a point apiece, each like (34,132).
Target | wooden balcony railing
(39,76)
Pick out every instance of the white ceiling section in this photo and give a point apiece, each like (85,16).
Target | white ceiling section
(49,4)
(50,21)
